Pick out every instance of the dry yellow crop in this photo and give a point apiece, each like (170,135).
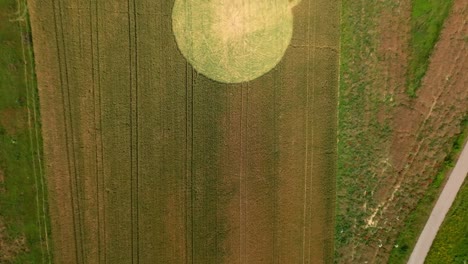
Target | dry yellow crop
(233,41)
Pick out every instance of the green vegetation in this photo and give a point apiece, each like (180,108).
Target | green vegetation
(418,218)
(23,221)
(361,134)
(427,18)
(451,243)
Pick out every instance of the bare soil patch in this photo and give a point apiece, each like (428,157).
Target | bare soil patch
(2,180)
(423,128)
(9,248)
(14,120)
(410,136)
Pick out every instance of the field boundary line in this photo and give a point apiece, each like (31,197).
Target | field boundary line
(39,156)
(337,116)
(39,153)
(30,128)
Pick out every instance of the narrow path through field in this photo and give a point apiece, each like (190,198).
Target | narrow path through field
(34,135)
(441,208)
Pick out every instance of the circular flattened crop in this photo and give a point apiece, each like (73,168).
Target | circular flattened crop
(233,41)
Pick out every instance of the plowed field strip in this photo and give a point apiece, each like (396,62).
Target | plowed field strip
(68,103)
(68,131)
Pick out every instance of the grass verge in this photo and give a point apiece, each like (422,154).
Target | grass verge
(452,241)
(360,132)
(418,218)
(24,223)
(427,19)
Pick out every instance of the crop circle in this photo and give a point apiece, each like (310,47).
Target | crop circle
(232,41)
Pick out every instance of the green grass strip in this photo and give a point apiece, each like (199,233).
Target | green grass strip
(427,19)
(23,200)
(451,243)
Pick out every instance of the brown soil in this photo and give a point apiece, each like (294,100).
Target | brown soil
(422,127)
(441,96)
(422,141)
(53,131)
(9,248)
(2,180)
(14,120)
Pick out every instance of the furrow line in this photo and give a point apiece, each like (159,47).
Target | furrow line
(95,121)
(74,176)
(314,53)
(191,166)
(246,167)
(188,166)
(63,79)
(306,158)
(275,173)
(101,195)
(241,189)
(133,141)
(136,207)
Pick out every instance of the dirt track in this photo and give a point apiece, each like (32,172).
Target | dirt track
(150,162)
(392,146)
(453,185)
